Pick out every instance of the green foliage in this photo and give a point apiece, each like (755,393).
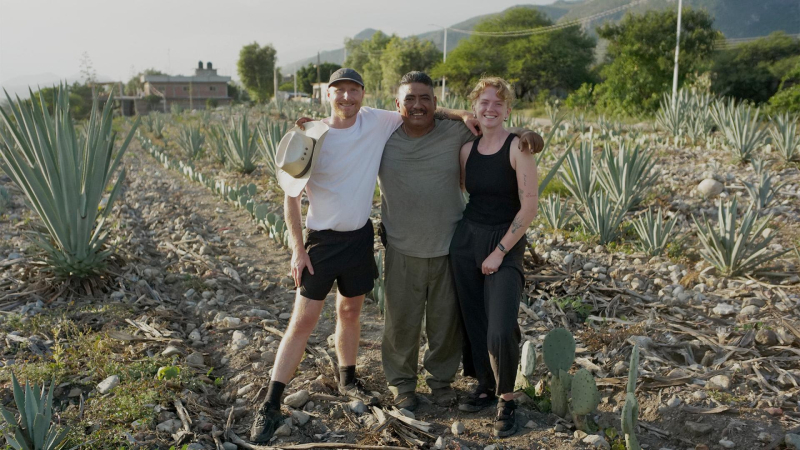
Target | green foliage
(364,56)
(558,351)
(762,192)
(630,409)
(581,98)
(269,141)
(602,217)
(64,178)
(584,398)
(154,123)
(735,249)
(628,175)
(255,67)
(192,141)
(307,75)
(784,136)
(562,57)
(34,429)
(80,99)
(576,304)
(404,55)
(578,175)
(740,128)
(654,234)
(753,70)
(168,372)
(788,96)
(5,199)
(219,142)
(555,212)
(379,290)
(636,75)
(241,146)
(135,85)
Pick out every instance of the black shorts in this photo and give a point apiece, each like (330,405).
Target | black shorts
(346,257)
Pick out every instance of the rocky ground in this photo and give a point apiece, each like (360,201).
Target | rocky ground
(199,288)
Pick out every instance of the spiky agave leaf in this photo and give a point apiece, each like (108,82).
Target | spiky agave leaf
(64,178)
(602,217)
(735,249)
(740,127)
(241,150)
(555,212)
(578,175)
(33,430)
(784,136)
(654,234)
(627,175)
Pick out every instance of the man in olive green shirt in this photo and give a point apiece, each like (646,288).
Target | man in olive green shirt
(421,204)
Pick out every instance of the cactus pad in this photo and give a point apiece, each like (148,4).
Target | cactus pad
(559,388)
(528,362)
(633,369)
(558,350)
(630,418)
(585,396)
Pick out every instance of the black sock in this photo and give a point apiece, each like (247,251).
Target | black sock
(347,375)
(274,392)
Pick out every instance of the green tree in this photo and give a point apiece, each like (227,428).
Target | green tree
(753,71)
(788,96)
(556,61)
(80,99)
(255,66)
(641,54)
(404,55)
(135,84)
(307,75)
(365,57)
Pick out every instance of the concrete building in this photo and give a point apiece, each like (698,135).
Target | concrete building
(203,88)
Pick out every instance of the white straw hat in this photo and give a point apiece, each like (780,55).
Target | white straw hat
(297,155)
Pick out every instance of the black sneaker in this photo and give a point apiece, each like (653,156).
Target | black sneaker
(356,391)
(475,402)
(407,401)
(505,424)
(444,397)
(267,420)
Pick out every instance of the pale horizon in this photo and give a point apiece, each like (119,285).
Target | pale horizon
(123,39)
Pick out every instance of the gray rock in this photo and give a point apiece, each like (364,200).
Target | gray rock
(528,362)
(710,188)
(195,335)
(285,316)
(596,442)
(792,441)
(724,309)
(108,384)
(357,407)
(246,389)
(699,429)
(283,431)
(726,443)
(169,426)
(458,428)
(298,399)
(750,310)
(579,434)
(765,437)
(196,446)
(171,350)
(195,359)
(719,382)
(766,337)
(439,445)
(300,418)
(229,446)
(674,401)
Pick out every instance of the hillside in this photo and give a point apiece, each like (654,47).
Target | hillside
(735,18)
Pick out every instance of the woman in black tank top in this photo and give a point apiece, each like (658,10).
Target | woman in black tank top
(487,251)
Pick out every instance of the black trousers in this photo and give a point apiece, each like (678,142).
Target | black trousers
(489,304)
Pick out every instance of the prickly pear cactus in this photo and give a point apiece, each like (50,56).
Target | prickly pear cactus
(585,398)
(560,386)
(630,418)
(558,350)
(630,410)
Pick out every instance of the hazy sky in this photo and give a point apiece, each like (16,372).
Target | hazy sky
(125,37)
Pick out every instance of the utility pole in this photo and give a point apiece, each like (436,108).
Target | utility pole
(319,86)
(444,60)
(275,79)
(295,84)
(677,50)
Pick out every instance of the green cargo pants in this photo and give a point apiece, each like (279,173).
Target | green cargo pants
(419,289)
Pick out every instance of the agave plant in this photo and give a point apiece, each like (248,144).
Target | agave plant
(784,136)
(65,179)
(192,141)
(735,249)
(627,176)
(672,115)
(579,176)
(216,134)
(552,110)
(740,127)
(654,233)
(241,150)
(268,144)
(5,199)
(33,430)
(602,217)
(555,212)
(154,123)
(762,193)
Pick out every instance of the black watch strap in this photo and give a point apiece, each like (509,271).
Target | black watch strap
(502,248)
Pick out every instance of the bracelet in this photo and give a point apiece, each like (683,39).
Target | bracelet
(502,248)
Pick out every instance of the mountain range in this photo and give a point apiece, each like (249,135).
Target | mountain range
(736,19)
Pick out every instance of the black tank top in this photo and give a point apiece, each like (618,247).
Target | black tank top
(492,186)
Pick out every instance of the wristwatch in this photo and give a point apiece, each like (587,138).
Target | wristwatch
(502,248)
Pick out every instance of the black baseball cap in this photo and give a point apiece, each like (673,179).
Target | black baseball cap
(346,74)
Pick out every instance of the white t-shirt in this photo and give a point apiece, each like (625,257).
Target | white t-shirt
(341,187)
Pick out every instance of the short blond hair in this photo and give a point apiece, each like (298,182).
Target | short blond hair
(504,91)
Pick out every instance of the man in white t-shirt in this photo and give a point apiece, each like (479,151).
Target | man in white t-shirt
(339,246)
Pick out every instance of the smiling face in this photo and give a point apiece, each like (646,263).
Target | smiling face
(490,109)
(345,98)
(416,103)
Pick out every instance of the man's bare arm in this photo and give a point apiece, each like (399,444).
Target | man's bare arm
(300,259)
